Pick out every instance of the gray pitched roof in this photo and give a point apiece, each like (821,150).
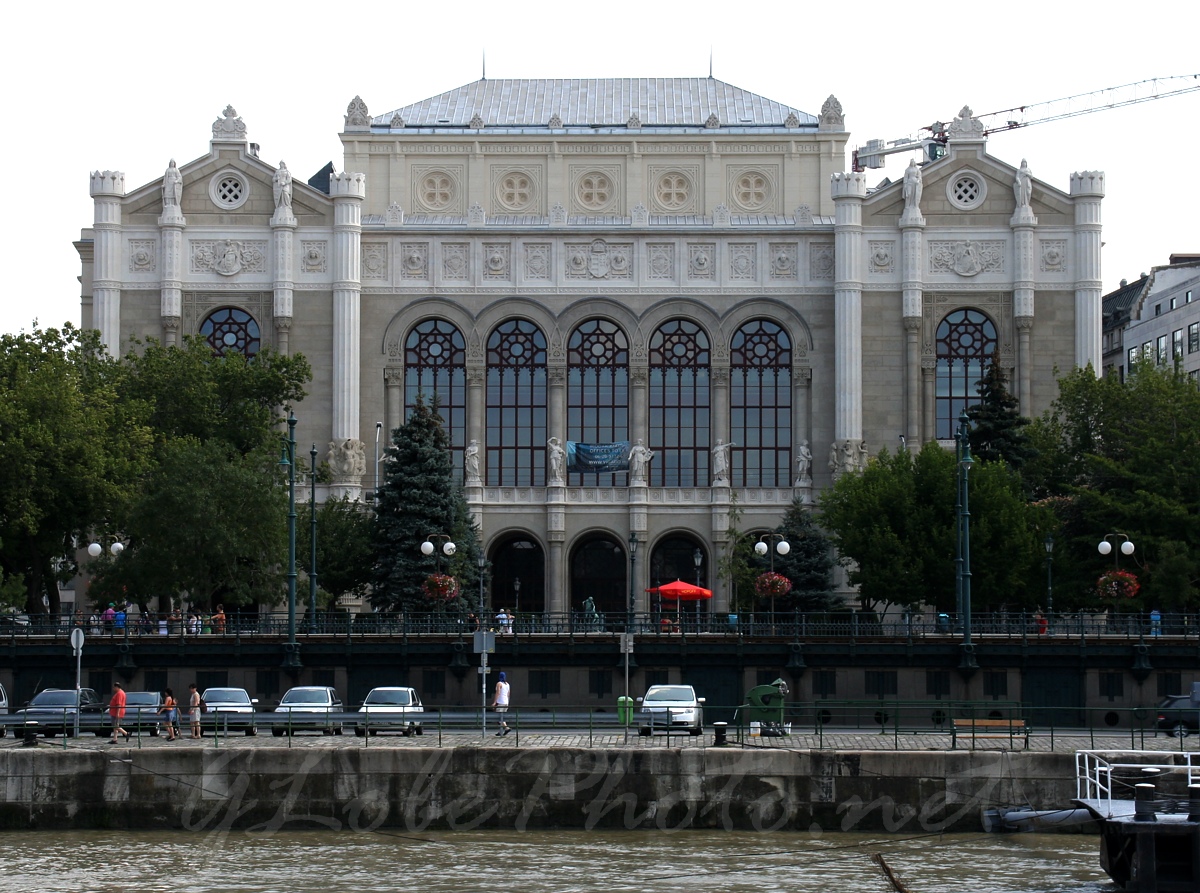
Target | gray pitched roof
(596,102)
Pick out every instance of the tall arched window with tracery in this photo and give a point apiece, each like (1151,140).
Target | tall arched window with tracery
(435,370)
(965,342)
(231,330)
(760,405)
(679,405)
(597,389)
(516,405)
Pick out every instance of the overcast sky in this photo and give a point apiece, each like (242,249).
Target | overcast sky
(129,85)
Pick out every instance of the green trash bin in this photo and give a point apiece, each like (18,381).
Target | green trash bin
(625,711)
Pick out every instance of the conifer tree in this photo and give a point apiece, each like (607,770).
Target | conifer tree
(997,433)
(808,564)
(418,498)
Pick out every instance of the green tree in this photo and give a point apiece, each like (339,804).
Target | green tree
(808,564)
(418,498)
(735,564)
(71,452)
(997,433)
(344,547)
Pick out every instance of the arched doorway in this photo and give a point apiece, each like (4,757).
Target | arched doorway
(600,571)
(518,579)
(679,558)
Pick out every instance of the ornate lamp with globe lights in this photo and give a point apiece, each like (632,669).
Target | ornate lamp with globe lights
(94,549)
(437,584)
(761,548)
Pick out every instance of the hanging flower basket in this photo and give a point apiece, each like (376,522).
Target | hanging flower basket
(440,588)
(772,585)
(1117,584)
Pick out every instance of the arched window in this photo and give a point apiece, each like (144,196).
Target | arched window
(674,558)
(600,570)
(516,405)
(597,387)
(230,330)
(965,342)
(435,369)
(679,405)
(760,405)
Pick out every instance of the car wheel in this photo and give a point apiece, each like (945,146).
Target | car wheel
(3,731)
(338,730)
(407,733)
(644,732)
(694,732)
(252,731)
(154,733)
(278,733)
(1180,729)
(360,732)
(420,731)
(50,734)
(374,732)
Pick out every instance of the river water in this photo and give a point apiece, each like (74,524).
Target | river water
(546,862)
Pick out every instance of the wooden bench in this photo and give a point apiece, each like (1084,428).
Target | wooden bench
(988,728)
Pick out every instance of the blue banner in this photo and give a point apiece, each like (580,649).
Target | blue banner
(598,457)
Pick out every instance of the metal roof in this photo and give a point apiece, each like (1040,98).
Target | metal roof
(596,102)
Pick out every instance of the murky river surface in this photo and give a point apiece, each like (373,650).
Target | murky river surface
(546,862)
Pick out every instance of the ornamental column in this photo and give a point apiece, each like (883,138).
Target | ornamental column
(1023,223)
(171,224)
(107,189)
(283,234)
(348,456)
(912,260)
(849,190)
(1087,188)
(556,500)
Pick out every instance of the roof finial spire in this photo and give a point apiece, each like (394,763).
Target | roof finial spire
(710,61)
(483,56)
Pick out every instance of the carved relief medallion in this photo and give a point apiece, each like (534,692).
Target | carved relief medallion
(662,261)
(882,256)
(701,261)
(1054,255)
(820,261)
(455,258)
(598,260)
(743,261)
(312,256)
(783,261)
(414,261)
(374,260)
(143,256)
(228,258)
(966,257)
(495,261)
(537,261)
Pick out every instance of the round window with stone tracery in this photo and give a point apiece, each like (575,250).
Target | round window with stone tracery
(437,191)
(230,330)
(228,190)
(594,191)
(966,191)
(515,192)
(674,191)
(752,190)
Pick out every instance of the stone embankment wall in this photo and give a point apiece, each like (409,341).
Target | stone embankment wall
(277,788)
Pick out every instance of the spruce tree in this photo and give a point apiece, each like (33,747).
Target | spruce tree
(418,498)
(808,564)
(997,433)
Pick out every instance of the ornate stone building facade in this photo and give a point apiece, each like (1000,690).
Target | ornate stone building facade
(677,264)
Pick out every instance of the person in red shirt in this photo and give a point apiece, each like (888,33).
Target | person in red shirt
(116,710)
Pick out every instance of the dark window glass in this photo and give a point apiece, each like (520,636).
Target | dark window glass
(824,683)
(679,405)
(937,683)
(597,391)
(760,404)
(995,684)
(435,370)
(653,677)
(206,679)
(230,330)
(600,682)
(433,684)
(1112,685)
(156,680)
(323,677)
(1168,684)
(1193,337)
(966,340)
(516,405)
(266,684)
(1177,344)
(543,683)
(881,683)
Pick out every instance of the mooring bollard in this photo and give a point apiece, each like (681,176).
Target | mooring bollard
(720,731)
(31,733)
(1143,802)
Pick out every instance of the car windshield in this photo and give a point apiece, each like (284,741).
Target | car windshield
(141,699)
(306,696)
(53,699)
(225,696)
(671,693)
(392,698)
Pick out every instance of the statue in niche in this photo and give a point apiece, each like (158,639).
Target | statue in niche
(558,460)
(863,455)
(1023,185)
(720,461)
(172,189)
(471,461)
(639,462)
(835,458)
(912,188)
(281,186)
(804,464)
(848,456)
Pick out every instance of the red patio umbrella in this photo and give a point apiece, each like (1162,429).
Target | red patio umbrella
(679,591)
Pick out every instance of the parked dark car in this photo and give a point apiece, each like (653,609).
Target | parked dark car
(54,710)
(1178,716)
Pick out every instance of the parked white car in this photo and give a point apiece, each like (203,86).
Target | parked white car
(391,709)
(668,707)
(308,707)
(226,709)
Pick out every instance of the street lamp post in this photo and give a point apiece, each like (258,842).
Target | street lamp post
(481,561)
(783,547)
(697,559)
(312,531)
(516,600)
(964,465)
(448,548)
(291,658)
(1050,584)
(633,544)
(1126,547)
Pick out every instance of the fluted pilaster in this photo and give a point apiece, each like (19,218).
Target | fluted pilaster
(348,192)
(849,190)
(107,189)
(1087,188)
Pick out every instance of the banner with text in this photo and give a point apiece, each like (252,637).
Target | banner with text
(598,457)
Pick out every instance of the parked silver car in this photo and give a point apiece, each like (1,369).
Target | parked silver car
(228,709)
(390,709)
(141,712)
(308,707)
(668,707)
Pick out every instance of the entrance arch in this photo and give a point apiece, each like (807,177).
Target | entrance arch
(600,570)
(518,580)
(674,558)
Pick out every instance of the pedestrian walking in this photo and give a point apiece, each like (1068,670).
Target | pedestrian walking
(500,703)
(116,711)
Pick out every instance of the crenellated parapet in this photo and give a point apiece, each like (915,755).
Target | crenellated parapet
(347,185)
(108,183)
(1088,183)
(848,184)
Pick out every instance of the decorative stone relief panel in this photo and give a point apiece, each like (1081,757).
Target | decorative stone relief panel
(197,305)
(537,261)
(438,188)
(496,260)
(374,260)
(743,261)
(1054,256)
(661,261)
(414,261)
(967,257)
(594,188)
(313,256)
(456,259)
(518,190)
(882,256)
(673,188)
(752,188)
(599,260)
(783,260)
(702,261)
(820,261)
(143,256)
(228,257)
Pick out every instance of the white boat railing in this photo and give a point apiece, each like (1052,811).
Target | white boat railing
(1101,780)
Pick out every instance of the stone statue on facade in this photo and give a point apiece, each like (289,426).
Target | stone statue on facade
(848,456)
(1023,185)
(835,459)
(471,462)
(172,188)
(347,458)
(281,187)
(912,190)
(720,462)
(804,459)
(558,460)
(863,455)
(639,462)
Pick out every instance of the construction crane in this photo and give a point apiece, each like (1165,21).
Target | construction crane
(872,154)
